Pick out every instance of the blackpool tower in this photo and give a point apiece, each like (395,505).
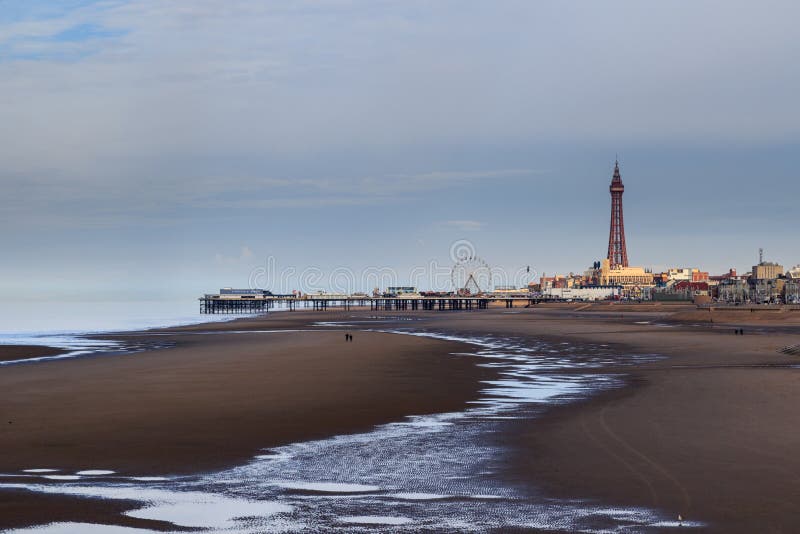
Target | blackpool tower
(617,253)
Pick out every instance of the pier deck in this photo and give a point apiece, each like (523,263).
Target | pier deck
(237,304)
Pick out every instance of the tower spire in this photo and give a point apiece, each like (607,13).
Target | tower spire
(617,251)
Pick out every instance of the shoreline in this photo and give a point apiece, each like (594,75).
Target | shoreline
(85,342)
(676,314)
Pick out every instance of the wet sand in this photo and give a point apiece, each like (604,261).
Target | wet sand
(710,432)
(21,352)
(212,401)
(22,508)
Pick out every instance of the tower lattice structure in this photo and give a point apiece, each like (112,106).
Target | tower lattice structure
(617,252)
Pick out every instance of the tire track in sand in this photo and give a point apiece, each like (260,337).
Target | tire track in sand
(636,472)
(636,452)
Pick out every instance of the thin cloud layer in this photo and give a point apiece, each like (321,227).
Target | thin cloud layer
(165,126)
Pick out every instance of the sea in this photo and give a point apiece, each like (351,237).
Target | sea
(64,324)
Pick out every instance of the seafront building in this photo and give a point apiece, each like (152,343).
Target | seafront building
(626,277)
(718,279)
(767,281)
(791,290)
(767,271)
(733,290)
(584,293)
(684,274)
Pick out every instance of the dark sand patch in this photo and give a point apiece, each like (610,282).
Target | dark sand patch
(22,352)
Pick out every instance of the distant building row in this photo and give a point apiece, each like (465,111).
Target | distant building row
(766,283)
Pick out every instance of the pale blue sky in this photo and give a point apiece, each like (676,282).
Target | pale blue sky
(168,148)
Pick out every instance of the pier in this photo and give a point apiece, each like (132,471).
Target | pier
(261,302)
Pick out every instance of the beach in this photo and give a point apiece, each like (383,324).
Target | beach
(704,427)
(210,401)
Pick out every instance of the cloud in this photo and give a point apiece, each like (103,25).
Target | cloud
(79,201)
(245,78)
(53,34)
(245,256)
(465,225)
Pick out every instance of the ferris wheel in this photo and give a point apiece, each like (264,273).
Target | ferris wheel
(471,275)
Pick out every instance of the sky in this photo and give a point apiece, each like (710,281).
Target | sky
(169,148)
